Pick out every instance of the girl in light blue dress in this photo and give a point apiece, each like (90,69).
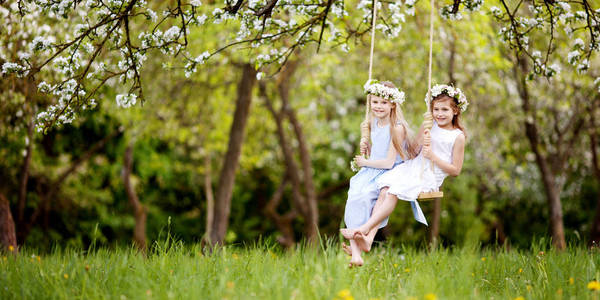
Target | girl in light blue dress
(389,146)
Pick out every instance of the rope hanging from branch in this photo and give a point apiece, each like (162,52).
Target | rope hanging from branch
(365,127)
(427,117)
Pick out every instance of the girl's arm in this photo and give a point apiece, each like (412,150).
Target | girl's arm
(389,160)
(458,156)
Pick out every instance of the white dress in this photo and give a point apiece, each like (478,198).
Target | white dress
(414,176)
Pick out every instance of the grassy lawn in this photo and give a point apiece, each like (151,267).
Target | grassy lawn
(265,272)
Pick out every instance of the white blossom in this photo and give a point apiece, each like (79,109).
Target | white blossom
(202,57)
(583,66)
(126,101)
(552,70)
(573,56)
(171,34)
(44,87)
(10,67)
(495,11)
(565,6)
(39,43)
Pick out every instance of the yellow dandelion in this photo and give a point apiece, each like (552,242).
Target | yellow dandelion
(571,280)
(11,248)
(344,295)
(234,256)
(519,298)
(593,285)
(529,288)
(38,258)
(395,265)
(66,276)
(230,284)
(520,270)
(483,259)
(430,296)
(407,270)
(472,274)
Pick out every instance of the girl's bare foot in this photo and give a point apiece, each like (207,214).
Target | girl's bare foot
(356,261)
(348,233)
(346,249)
(363,241)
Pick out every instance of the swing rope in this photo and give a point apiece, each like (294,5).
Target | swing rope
(371,55)
(365,127)
(430,47)
(428,119)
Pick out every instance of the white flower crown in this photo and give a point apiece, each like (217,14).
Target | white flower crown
(449,90)
(373,87)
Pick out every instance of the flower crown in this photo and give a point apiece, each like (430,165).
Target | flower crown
(373,87)
(449,90)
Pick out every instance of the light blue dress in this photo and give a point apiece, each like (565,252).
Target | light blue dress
(363,191)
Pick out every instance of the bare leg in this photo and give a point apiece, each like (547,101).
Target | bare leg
(346,249)
(364,242)
(379,214)
(356,260)
(348,233)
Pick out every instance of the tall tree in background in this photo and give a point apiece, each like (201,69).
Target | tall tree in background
(593,129)
(222,206)
(552,145)
(304,196)
(8,237)
(139,210)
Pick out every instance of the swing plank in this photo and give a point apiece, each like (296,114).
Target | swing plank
(430,195)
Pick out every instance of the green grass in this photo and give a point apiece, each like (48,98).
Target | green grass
(266,272)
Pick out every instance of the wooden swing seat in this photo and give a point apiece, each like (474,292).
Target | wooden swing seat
(430,196)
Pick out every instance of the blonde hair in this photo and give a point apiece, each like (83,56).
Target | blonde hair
(407,150)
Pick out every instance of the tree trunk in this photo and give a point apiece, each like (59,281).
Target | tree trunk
(549,181)
(312,217)
(595,230)
(292,170)
(283,222)
(139,211)
(25,175)
(234,149)
(8,237)
(210,198)
(435,224)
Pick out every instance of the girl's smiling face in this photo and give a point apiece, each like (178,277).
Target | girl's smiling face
(380,107)
(444,112)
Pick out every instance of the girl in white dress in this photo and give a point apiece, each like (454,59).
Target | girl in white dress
(445,148)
